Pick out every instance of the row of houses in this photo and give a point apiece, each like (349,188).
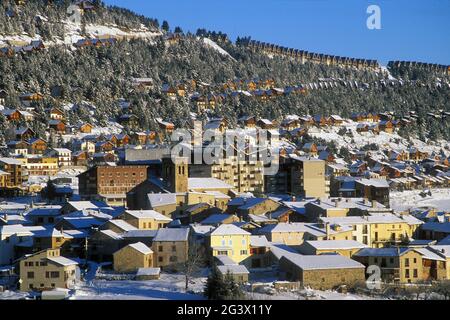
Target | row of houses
(311,57)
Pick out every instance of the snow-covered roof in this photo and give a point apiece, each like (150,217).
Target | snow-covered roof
(172,234)
(10,161)
(233,269)
(259,241)
(142,248)
(161,199)
(121,224)
(229,229)
(381,252)
(336,244)
(148,271)
(111,234)
(148,214)
(323,262)
(207,183)
(139,234)
(62,261)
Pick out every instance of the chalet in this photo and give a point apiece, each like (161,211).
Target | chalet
(166,127)
(265,124)
(56,114)
(28,98)
(37,146)
(24,133)
(170,91)
(362,127)
(142,83)
(57,125)
(247,121)
(104,146)
(17,147)
(336,120)
(11,114)
(290,124)
(86,128)
(320,121)
(310,148)
(80,158)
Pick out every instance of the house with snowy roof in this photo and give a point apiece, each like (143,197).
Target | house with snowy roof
(321,271)
(47,270)
(132,257)
(171,247)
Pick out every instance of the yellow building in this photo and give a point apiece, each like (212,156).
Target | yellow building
(3,179)
(40,166)
(145,219)
(405,265)
(132,257)
(230,240)
(378,231)
(46,270)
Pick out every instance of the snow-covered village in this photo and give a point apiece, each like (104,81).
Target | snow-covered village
(338,188)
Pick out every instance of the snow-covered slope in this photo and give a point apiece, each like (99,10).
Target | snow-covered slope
(216,47)
(383,139)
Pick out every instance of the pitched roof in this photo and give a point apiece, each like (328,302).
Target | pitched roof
(148,214)
(336,244)
(207,183)
(142,248)
(62,261)
(172,234)
(229,229)
(323,262)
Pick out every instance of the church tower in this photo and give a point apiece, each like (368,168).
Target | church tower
(175,173)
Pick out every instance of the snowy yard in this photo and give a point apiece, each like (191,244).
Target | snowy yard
(439,199)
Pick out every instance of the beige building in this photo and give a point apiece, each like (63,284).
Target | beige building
(46,270)
(322,272)
(145,219)
(300,176)
(171,247)
(132,257)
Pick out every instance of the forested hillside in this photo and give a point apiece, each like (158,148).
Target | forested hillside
(100,76)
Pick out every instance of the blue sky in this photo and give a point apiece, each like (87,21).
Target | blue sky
(416,30)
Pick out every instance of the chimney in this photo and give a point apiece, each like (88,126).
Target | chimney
(327,230)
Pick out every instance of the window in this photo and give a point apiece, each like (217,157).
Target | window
(415,260)
(174,248)
(243,242)
(407,273)
(30,275)
(415,273)
(243,252)
(406,262)
(160,248)
(160,259)
(230,242)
